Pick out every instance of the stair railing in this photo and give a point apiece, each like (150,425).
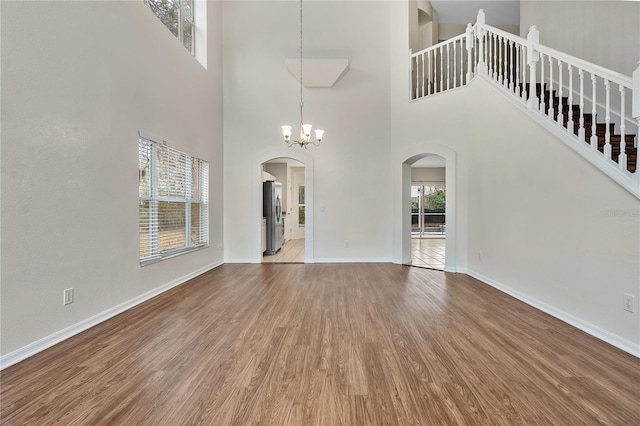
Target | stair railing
(571,93)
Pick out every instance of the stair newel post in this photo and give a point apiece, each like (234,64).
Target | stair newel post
(410,74)
(607,120)
(622,158)
(470,43)
(581,126)
(594,138)
(533,38)
(480,31)
(560,100)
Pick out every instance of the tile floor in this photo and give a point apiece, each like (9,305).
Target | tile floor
(291,252)
(428,252)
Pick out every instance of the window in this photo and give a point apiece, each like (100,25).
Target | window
(173,201)
(177,16)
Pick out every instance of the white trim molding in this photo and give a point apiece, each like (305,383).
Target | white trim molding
(46,342)
(591,329)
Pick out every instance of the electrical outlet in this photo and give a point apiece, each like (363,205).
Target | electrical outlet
(480,256)
(67,296)
(629,302)
(347,243)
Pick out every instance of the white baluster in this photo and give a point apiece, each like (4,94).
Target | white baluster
(525,89)
(441,69)
(410,74)
(551,97)
(417,76)
(581,128)
(594,138)
(570,113)
(448,68)
(533,38)
(423,77)
(607,120)
(429,64)
(455,60)
(542,103)
(635,109)
(560,100)
(461,76)
(517,61)
(622,159)
(499,55)
(493,55)
(511,65)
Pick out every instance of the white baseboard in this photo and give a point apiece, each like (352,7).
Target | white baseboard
(351,260)
(591,329)
(251,261)
(46,342)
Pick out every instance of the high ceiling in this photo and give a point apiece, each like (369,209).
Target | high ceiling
(497,12)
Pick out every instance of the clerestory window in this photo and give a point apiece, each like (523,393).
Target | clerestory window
(178,17)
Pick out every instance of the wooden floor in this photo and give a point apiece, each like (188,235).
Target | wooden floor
(348,344)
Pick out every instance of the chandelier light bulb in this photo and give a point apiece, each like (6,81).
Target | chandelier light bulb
(319,134)
(286,132)
(306,130)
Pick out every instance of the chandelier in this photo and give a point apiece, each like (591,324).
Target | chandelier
(305,129)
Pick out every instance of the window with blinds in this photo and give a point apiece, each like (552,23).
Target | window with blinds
(173,201)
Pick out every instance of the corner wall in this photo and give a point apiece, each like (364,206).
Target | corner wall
(79,79)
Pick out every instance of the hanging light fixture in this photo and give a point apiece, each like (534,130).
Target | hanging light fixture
(305,129)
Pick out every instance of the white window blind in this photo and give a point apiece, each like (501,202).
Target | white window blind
(173,201)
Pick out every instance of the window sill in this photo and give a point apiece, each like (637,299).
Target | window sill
(171,254)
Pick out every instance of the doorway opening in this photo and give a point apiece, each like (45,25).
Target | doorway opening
(283,212)
(428,212)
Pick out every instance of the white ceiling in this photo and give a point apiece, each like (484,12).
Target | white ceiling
(497,12)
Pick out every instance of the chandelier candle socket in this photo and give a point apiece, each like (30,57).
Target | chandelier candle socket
(305,129)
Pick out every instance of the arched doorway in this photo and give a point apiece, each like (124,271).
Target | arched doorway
(283,221)
(428,212)
(296,158)
(403,220)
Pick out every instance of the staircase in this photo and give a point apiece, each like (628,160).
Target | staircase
(594,110)
(550,101)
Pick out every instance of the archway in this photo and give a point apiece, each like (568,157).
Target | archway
(283,222)
(402,228)
(257,200)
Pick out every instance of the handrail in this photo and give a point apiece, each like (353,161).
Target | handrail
(505,34)
(437,46)
(612,76)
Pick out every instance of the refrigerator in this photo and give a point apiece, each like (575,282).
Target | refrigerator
(272,211)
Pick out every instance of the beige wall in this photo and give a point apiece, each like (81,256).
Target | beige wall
(606,33)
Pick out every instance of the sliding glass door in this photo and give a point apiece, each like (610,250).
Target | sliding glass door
(428,209)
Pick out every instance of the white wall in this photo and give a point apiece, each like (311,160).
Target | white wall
(606,33)
(548,238)
(79,79)
(350,171)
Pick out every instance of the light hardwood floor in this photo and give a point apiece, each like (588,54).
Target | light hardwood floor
(291,252)
(326,344)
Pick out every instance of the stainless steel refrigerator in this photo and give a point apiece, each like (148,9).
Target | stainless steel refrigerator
(272,211)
